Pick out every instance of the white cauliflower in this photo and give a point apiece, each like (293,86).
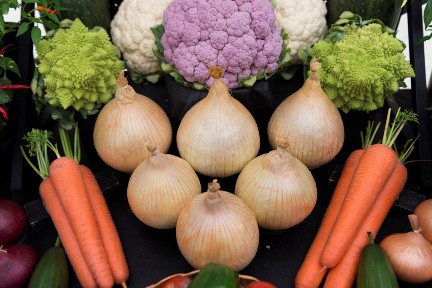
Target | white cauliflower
(303,20)
(131,33)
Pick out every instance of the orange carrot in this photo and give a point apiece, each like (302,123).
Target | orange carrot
(110,238)
(311,271)
(374,169)
(64,229)
(344,273)
(68,182)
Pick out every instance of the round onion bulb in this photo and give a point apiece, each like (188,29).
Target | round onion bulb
(310,122)
(160,187)
(218,136)
(217,227)
(124,126)
(278,187)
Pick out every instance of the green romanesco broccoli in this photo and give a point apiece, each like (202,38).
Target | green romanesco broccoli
(77,71)
(361,65)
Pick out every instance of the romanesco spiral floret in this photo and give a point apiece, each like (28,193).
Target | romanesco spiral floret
(360,70)
(79,68)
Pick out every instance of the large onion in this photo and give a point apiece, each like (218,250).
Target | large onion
(160,187)
(278,187)
(124,126)
(410,254)
(217,227)
(424,217)
(17,263)
(12,221)
(310,122)
(218,136)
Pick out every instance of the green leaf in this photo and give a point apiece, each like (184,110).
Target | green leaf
(428,13)
(22,28)
(36,35)
(53,18)
(4,97)
(12,66)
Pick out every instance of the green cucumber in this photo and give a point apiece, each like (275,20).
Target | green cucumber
(374,269)
(367,9)
(216,276)
(52,269)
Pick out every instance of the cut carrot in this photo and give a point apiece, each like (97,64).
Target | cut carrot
(311,271)
(374,169)
(68,182)
(64,229)
(110,238)
(344,273)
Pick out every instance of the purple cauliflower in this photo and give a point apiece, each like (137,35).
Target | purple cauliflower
(240,36)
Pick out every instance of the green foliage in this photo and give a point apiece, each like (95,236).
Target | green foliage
(47,18)
(362,63)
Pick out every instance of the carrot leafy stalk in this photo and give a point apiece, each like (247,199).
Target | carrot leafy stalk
(311,272)
(39,144)
(375,167)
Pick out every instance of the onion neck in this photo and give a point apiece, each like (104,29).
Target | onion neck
(278,160)
(125,94)
(3,250)
(156,157)
(213,199)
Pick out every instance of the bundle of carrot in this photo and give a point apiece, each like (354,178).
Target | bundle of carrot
(371,180)
(78,209)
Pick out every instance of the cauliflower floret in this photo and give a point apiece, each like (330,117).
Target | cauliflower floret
(240,36)
(131,33)
(304,21)
(77,70)
(362,69)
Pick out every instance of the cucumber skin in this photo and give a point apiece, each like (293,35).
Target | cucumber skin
(52,270)
(375,270)
(216,276)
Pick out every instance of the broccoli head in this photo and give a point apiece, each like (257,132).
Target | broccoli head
(361,64)
(241,36)
(76,70)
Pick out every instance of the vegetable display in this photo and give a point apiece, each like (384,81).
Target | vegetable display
(52,270)
(131,33)
(78,210)
(362,63)
(242,37)
(304,21)
(423,211)
(217,227)
(17,263)
(77,68)
(218,136)
(278,187)
(377,165)
(342,254)
(12,221)
(214,275)
(126,124)
(160,187)
(310,123)
(409,253)
(375,269)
